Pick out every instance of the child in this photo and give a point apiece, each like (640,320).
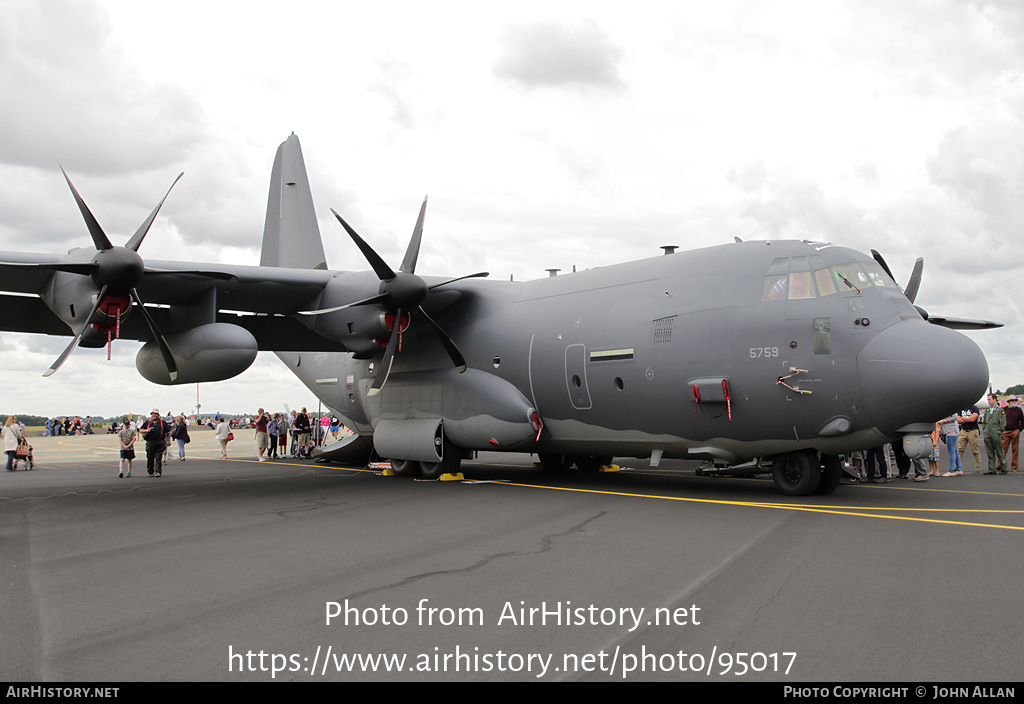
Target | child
(127,439)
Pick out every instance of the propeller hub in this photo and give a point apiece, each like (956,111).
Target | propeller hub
(406,291)
(119,268)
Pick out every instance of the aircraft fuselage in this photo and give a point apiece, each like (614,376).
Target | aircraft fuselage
(610,357)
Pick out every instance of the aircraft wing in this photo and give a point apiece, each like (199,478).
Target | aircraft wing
(273,333)
(264,289)
(25,279)
(257,289)
(253,297)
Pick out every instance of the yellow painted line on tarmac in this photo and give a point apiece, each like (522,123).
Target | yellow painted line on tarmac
(792,507)
(915,486)
(278,463)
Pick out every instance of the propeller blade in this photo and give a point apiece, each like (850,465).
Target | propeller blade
(479,274)
(140,234)
(413,252)
(449,345)
(99,238)
(962,323)
(222,275)
(365,302)
(380,267)
(915,279)
(389,357)
(74,343)
(880,260)
(84,268)
(165,350)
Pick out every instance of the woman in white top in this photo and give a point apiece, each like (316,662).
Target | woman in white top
(222,436)
(12,436)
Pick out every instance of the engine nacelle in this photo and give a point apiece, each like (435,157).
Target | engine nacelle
(210,352)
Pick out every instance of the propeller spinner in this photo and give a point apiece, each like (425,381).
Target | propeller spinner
(400,292)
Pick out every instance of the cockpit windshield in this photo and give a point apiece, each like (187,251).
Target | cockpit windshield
(807,277)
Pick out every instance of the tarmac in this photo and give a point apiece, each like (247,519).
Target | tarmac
(243,571)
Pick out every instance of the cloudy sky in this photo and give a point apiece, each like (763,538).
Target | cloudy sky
(546,134)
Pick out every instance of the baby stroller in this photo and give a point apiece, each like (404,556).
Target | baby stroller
(24,454)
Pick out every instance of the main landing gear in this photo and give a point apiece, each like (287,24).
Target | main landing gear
(450,462)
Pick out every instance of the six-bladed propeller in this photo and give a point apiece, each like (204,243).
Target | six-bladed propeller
(400,292)
(117,271)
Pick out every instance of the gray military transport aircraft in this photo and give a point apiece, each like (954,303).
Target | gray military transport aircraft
(746,355)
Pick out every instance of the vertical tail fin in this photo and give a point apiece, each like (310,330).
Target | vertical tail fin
(291,236)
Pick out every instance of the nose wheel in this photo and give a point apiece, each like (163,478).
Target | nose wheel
(797,473)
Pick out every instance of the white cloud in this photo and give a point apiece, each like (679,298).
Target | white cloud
(874,125)
(548,54)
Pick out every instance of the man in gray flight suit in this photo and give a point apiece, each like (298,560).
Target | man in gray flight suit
(993,420)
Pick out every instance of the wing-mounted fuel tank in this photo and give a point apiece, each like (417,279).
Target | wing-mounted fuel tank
(475,410)
(203,349)
(211,352)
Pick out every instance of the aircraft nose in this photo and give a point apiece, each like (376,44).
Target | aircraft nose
(914,372)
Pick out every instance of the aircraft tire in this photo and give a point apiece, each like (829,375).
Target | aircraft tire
(831,473)
(555,463)
(796,473)
(405,468)
(449,464)
(592,463)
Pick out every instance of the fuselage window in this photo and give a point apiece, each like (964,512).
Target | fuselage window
(823,336)
(800,285)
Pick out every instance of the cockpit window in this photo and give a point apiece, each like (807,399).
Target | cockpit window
(824,280)
(800,285)
(795,278)
(877,275)
(774,288)
(850,276)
